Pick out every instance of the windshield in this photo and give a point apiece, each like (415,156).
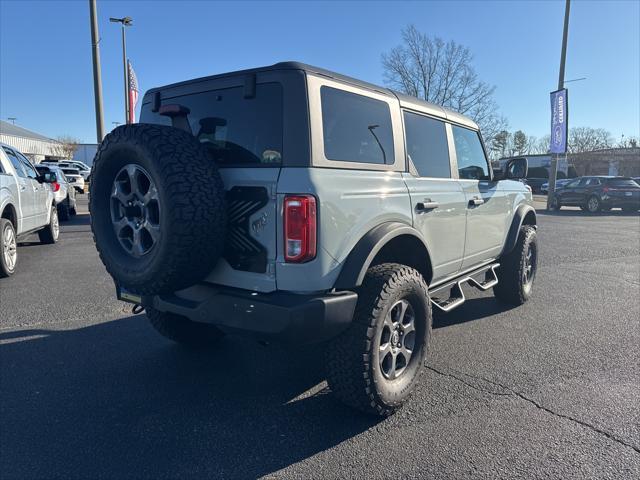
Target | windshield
(235,130)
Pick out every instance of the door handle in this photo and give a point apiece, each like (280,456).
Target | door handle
(475,201)
(426,205)
(23,188)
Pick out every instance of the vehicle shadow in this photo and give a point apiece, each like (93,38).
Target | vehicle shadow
(581,213)
(80,223)
(472,309)
(116,400)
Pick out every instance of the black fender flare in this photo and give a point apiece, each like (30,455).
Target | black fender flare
(359,260)
(522,212)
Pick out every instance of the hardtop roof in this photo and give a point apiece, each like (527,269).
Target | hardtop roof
(406,101)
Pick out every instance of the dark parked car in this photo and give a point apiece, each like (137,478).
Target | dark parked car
(594,194)
(536,184)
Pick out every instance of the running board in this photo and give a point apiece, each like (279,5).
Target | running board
(456,295)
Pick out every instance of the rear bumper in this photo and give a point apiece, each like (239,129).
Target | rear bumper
(281,316)
(621,202)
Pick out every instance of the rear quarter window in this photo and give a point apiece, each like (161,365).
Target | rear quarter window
(621,182)
(356,128)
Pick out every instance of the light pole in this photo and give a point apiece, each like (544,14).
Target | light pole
(12,119)
(97,75)
(124,22)
(553,170)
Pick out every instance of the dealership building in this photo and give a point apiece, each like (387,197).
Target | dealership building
(608,161)
(35,146)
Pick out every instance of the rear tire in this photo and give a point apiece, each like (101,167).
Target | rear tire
(8,248)
(367,365)
(518,269)
(63,211)
(182,330)
(51,232)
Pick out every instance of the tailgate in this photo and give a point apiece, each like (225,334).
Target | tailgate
(251,249)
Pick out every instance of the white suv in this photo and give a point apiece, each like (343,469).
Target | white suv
(27,206)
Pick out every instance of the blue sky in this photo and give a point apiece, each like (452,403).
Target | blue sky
(45,52)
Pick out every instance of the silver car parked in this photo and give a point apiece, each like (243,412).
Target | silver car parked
(27,206)
(64,192)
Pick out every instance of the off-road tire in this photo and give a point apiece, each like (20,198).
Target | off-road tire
(182,330)
(353,371)
(5,270)
(48,234)
(63,211)
(512,287)
(192,212)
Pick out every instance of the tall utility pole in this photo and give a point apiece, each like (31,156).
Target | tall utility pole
(553,171)
(124,22)
(97,76)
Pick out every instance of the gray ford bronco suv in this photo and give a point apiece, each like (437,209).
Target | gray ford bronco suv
(292,203)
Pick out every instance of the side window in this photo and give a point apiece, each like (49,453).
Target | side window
(15,162)
(31,172)
(594,182)
(584,182)
(427,145)
(472,164)
(356,128)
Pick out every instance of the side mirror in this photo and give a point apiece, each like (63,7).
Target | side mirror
(516,169)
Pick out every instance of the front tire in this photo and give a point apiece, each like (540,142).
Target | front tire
(593,204)
(51,232)
(8,248)
(182,330)
(375,364)
(518,269)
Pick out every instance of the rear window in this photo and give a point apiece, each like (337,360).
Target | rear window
(621,182)
(71,171)
(235,130)
(356,128)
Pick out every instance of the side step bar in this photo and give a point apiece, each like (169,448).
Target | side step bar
(456,295)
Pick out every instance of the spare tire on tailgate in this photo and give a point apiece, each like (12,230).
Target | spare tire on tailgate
(157,208)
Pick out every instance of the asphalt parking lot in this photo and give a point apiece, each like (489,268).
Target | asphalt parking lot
(547,390)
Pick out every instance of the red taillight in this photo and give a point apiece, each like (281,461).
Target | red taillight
(299,228)
(55,186)
(605,189)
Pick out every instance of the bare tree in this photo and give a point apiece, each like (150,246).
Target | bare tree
(587,139)
(442,73)
(67,146)
(628,142)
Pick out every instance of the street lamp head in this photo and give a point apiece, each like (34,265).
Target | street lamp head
(125,21)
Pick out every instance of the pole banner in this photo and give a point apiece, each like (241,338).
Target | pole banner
(559,121)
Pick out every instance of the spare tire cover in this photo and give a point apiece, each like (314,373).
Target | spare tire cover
(157,205)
